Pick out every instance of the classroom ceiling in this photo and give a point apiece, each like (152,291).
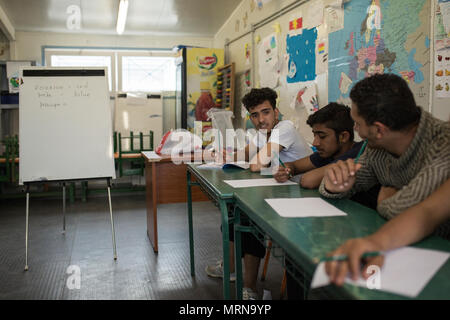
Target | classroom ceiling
(195,18)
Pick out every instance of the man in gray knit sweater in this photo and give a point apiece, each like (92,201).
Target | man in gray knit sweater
(408,151)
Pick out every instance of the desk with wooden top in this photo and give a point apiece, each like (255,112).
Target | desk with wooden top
(165,182)
(302,242)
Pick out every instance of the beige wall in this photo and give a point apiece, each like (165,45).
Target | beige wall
(247,14)
(28,45)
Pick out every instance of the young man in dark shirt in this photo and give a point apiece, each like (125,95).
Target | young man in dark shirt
(332,127)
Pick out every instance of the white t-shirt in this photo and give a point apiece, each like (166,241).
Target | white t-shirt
(284,133)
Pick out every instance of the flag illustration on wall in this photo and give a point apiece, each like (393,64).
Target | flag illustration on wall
(296,24)
(321,48)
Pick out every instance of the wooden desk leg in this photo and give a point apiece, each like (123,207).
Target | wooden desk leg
(152,204)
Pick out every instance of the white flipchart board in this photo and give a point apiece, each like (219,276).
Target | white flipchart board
(65,126)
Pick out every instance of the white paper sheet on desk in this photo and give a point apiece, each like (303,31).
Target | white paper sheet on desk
(151,155)
(406,271)
(218,165)
(304,207)
(246,183)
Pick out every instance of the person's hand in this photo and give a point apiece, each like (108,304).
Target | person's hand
(354,249)
(340,176)
(386,192)
(283,174)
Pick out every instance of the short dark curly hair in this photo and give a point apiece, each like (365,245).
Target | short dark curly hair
(334,116)
(258,96)
(386,98)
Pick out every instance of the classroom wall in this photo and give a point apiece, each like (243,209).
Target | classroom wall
(28,45)
(238,29)
(240,23)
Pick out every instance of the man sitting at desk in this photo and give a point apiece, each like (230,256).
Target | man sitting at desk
(332,127)
(264,114)
(290,145)
(408,150)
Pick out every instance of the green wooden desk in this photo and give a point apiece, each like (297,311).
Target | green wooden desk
(302,242)
(211,182)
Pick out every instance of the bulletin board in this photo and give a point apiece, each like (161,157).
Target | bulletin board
(317,51)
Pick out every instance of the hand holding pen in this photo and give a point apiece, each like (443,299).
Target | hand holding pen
(284,172)
(348,258)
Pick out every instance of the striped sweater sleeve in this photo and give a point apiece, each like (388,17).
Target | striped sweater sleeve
(365,179)
(419,188)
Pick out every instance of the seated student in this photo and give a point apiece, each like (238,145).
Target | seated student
(408,151)
(408,227)
(264,114)
(332,127)
(261,104)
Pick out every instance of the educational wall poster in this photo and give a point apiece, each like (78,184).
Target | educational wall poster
(371,43)
(322,55)
(295,25)
(442,74)
(309,99)
(334,16)
(268,60)
(302,56)
(442,51)
(444,7)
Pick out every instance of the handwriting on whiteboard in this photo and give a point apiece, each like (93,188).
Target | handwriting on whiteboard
(55,95)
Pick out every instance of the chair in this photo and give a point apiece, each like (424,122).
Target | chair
(8,169)
(131,154)
(266,264)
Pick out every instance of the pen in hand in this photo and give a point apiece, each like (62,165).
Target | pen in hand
(284,166)
(343,257)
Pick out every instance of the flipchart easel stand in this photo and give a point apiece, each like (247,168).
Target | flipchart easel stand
(27,184)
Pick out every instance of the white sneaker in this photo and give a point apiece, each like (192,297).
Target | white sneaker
(216,271)
(249,294)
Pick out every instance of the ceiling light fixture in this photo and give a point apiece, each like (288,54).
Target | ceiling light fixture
(122,16)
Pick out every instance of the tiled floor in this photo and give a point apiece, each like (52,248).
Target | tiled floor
(55,259)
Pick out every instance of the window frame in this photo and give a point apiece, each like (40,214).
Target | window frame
(85,52)
(122,54)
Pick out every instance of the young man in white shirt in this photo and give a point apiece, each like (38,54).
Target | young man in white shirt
(274,137)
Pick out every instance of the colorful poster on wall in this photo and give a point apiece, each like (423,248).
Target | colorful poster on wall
(295,25)
(372,42)
(302,56)
(322,55)
(12,73)
(442,54)
(309,99)
(201,83)
(268,61)
(442,74)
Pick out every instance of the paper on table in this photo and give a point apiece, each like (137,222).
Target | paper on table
(245,183)
(406,271)
(151,155)
(218,165)
(310,207)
